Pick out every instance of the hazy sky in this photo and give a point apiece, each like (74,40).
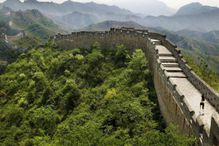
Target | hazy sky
(129,3)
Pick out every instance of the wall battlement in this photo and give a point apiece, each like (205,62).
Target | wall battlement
(178,88)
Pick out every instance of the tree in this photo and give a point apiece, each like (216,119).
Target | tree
(43,118)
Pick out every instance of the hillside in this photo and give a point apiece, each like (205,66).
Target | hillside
(74,15)
(24,30)
(142,7)
(34,22)
(31,22)
(81,97)
(64,13)
(7,55)
(6,29)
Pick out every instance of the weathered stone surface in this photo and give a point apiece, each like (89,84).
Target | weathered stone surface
(172,69)
(163,51)
(176,75)
(170,64)
(167,59)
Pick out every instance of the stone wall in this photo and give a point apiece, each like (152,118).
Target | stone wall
(132,38)
(202,86)
(174,107)
(170,99)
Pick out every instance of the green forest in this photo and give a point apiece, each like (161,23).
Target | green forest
(83,97)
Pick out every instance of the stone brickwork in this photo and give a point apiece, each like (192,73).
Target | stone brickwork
(178,88)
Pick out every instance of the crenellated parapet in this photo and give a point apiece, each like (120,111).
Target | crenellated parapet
(178,88)
(202,86)
(200,125)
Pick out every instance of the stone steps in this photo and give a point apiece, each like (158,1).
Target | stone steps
(170,64)
(164,54)
(175,74)
(167,59)
(173,69)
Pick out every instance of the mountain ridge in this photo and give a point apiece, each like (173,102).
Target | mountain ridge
(194,9)
(202,21)
(194,16)
(32,22)
(58,12)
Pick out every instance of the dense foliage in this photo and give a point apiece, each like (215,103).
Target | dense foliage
(82,97)
(10,51)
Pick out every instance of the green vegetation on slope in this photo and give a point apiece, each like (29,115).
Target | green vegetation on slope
(201,67)
(28,42)
(37,30)
(34,23)
(7,55)
(82,97)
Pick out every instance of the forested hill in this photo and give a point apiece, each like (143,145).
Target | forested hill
(25,30)
(32,22)
(82,97)
(7,55)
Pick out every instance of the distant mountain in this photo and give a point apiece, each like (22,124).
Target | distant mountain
(73,15)
(203,19)
(6,29)
(34,22)
(212,36)
(13,4)
(78,19)
(36,26)
(31,21)
(147,7)
(106,25)
(194,9)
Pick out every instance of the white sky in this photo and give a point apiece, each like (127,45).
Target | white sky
(171,3)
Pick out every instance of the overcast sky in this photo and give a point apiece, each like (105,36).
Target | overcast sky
(129,3)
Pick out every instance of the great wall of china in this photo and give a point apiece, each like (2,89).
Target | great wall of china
(178,88)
